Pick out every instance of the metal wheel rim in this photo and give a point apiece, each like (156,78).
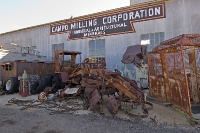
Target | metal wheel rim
(8,85)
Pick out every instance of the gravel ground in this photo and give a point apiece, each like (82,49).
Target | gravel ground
(13,120)
(32,120)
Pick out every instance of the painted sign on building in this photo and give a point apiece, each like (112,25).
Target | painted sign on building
(109,23)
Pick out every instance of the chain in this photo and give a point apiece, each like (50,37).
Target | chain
(53,106)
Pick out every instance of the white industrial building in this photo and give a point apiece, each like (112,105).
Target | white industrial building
(107,34)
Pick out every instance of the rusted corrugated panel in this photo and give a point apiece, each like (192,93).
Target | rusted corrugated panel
(170,85)
(157,89)
(198,85)
(156,83)
(193,74)
(178,93)
(41,68)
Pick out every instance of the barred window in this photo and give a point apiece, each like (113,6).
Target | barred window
(152,40)
(96,50)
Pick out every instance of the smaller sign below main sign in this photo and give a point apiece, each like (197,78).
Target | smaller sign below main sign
(109,24)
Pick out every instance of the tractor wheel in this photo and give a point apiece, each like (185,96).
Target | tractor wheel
(35,85)
(49,80)
(11,85)
(62,84)
(38,87)
(55,84)
(44,81)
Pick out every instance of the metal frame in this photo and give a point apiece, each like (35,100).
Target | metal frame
(173,71)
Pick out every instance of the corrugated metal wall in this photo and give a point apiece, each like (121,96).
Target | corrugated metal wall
(182,16)
(38,36)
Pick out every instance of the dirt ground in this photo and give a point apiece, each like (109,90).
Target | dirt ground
(159,113)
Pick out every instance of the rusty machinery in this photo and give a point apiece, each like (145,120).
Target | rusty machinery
(135,65)
(94,81)
(174,71)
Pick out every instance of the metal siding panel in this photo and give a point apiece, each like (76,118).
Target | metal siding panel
(115,45)
(182,11)
(30,37)
(132,2)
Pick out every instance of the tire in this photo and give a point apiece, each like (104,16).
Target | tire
(33,88)
(44,82)
(41,84)
(56,84)
(11,85)
(33,79)
(40,87)
(62,84)
(49,80)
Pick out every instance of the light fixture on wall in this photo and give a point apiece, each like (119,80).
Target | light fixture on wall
(14,44)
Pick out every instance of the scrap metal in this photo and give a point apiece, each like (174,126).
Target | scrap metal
(96,82)
(173,71)
(135,65)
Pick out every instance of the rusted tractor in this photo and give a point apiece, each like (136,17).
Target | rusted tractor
(95,83)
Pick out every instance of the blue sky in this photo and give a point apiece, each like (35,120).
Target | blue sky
(17,14)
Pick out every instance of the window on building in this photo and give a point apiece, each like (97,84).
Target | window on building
(25,50)
(152,39)
(7,67)
(96,50)
(33,50)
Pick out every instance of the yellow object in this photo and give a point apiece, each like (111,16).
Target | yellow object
(183,113)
